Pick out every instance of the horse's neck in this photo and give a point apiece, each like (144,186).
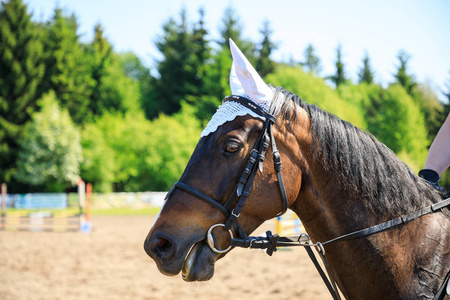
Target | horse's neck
(325,207)
(327,211)
(379,263)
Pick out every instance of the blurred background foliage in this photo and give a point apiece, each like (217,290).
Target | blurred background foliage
(72,110)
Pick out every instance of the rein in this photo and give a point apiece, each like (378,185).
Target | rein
(271,242)
(245,182)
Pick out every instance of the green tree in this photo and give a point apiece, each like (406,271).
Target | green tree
(21,70)
(431,108)
(201,53)
(422,94)
(205,99)
(177,70)
(170,148)
(133,68)
(117,92)
(231,27)
(314,90)
(101,55)
(186,71)
(98,164)
(127,152)
(50,150)
(365,73)
(402,77)
(312,61)
(264,64)
(398,122)
(68,69)
(123,143)
(119,79)
(339,77)
(218,82)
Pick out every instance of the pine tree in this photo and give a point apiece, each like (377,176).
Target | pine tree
(406,80)
(339,78)
(21,70)
(205,99)
(112,90)
(312,61)
(133,68)
(265,65)
(430,106)
(232,28)
(202,50)
(183,71)
(422,95)
(177,74)
(101,52)
(68,70)
(365,73)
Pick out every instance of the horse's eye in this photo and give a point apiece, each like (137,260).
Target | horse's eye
(231,148)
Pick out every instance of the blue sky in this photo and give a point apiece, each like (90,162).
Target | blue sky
(381,28)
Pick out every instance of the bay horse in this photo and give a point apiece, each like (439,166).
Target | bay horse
(337,179)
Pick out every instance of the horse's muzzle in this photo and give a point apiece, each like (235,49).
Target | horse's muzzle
(163,250)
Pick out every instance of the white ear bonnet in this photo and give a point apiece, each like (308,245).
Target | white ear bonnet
(244,82)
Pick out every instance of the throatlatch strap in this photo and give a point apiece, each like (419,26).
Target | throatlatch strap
(278,166)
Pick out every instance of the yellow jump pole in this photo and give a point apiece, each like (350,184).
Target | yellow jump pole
(279,225)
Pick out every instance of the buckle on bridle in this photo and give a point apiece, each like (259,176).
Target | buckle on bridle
(234,214)
(210,239)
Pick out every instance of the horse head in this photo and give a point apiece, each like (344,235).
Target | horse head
(205,209)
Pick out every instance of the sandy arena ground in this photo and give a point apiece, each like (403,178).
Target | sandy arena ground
(110,263)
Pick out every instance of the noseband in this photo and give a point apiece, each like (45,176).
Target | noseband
(245,182)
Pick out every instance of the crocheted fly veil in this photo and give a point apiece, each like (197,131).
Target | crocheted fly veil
(245,82)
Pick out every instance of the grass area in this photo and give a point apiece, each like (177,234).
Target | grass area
(94,212)
(125,212)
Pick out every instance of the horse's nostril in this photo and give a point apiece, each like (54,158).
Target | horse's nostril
(161,247)
(162,242)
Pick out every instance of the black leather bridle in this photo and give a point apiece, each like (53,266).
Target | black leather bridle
(245,182)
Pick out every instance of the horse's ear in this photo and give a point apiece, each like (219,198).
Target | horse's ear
(244,80)
(235,84)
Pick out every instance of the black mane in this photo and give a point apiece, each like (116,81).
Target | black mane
(364,166)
